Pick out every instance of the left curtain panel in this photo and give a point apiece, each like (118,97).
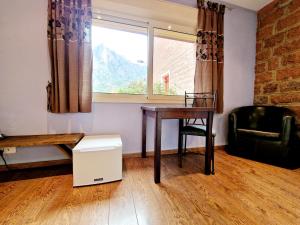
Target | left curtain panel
(70,48)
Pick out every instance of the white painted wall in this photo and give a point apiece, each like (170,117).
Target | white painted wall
(24,72)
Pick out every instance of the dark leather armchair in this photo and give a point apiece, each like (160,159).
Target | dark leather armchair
(262,132)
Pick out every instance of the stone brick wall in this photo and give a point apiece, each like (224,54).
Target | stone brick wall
(278,55)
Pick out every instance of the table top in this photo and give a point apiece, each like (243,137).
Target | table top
(46,139)
(182,108)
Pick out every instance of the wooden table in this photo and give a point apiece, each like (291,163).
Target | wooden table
(175,112)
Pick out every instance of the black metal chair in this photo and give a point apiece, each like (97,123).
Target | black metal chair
(196,127)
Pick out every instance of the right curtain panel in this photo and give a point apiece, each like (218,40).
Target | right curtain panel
(210,53)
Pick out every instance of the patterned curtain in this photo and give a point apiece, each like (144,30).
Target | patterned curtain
(209,55)
(69,40)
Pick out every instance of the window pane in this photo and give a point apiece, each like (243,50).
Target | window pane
(174,61)
(119,58)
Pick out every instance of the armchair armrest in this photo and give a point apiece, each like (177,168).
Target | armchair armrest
(232,122)
(232,131)
(288,123)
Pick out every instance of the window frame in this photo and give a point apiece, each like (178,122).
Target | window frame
(150,25)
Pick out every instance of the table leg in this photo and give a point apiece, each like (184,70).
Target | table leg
(157,148)
(208,151)
(144,129)
(180,137)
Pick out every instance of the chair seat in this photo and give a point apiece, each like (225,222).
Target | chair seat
(258,133)
(196,131)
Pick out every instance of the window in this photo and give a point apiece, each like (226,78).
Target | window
(119,58)
(136,62)
(174,61)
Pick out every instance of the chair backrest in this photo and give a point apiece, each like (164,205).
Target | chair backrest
(201,99)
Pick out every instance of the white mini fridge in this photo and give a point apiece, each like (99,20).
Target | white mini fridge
(97,159)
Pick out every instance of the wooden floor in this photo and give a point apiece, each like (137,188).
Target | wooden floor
(241,192)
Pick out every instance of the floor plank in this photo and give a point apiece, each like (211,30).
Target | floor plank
(121,205)
(241,192)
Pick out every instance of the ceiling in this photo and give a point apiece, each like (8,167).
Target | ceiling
(249,4)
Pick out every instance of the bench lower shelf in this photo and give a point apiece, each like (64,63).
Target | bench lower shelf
(29,165)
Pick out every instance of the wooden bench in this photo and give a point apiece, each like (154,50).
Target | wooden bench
(62,141)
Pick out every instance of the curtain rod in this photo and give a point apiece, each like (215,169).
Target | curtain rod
(226,6)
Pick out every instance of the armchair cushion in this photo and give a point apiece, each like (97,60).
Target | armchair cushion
(258,133)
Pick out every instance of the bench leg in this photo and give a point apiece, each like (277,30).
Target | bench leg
(65,148)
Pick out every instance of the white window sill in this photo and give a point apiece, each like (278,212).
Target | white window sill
(138,99)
